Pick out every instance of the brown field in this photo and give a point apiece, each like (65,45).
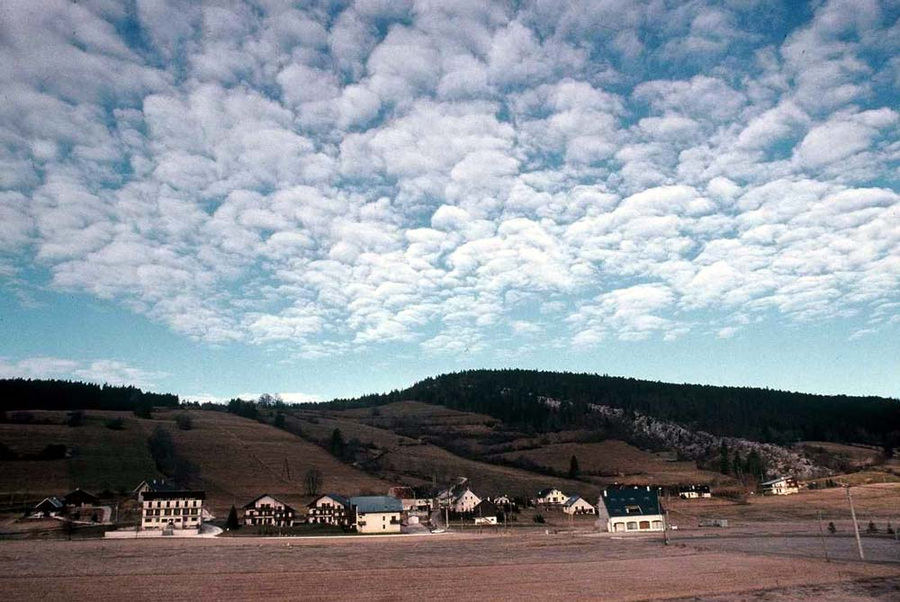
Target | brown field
(876,502)
(618,461)
(524,566)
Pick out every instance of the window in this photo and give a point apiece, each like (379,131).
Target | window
(645,524)
(632,525)
(632,510)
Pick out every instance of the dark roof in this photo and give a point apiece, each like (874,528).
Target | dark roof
(172,495)
(157,485)
(618,499)
(259,497)
(52,503)
(485,508)
(574,498)
(377,503)
(334,496)
(80,496)
(697,488)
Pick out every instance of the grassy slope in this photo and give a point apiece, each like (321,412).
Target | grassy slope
(238,458)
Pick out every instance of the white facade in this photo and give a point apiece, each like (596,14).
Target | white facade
(579,506)
(172,509)
(266,510)
(637,523)
(377,522)
(552,497)
(781,486)
(328,509)
(465,502)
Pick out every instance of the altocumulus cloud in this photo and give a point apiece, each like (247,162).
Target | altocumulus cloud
(336,175)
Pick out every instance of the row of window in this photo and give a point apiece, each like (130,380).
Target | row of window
(172,512)
(172,504)
(638,525)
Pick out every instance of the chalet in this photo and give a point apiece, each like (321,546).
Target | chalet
(267,510)
(485,513)
(81,498)
(464,501)
(50,506)
(329,509)
(503,502)
(172,509)
(633,509)
(694,492)
(578,505)
(551,497)
(780,486)
(376,514)
(151,485)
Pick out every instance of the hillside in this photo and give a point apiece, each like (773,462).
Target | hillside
(550,401)
(233,458)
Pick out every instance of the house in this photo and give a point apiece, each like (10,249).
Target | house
(411,503)
(780,486)
(172,509)
(633,509)
(485,513)
(503,502)
(50,506)
(464,501)
(267,510)
(376,514)
(151,485)
(81,498)
(578,505)
(694,492)
(329,509)
(551,497)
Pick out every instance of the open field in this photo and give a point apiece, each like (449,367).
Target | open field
(525,566)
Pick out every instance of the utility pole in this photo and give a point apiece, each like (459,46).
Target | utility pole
(862,555)
(666,528)
(822,537)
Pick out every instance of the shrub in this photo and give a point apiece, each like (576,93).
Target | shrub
(872,528)
(115,424)
(75,418)
(184,422)
(538,518)
(831,528)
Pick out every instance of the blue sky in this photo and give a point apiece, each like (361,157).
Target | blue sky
(330,198)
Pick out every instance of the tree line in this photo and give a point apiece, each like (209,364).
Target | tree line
(37,394)
(520,397)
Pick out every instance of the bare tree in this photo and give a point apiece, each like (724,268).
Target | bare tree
(312,480)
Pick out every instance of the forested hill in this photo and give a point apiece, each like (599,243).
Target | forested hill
(521,397)
(27,394)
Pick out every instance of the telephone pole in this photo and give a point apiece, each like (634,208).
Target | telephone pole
(822,536)
(862,555)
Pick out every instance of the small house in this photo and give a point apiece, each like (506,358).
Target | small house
(329,509)
(694,492)
(180,509)
(81,498)
(267,510)
(633,509)
(152,485)
(464,501)
(578,505)
(551,497)
(376,514)
(780,486)
(50,506)
(486,513)
(503,502)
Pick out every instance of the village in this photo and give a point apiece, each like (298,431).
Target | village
(166,510)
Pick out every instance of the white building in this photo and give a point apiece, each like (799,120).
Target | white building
(376,514)
(172,509)
(551,497)
(578,505)
(329,509)
(695,492)
(267,510)
(464,501)
(633,509)
(780,486)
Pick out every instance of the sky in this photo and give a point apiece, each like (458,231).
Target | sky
(323,199)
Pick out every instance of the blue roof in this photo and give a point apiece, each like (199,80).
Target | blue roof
(377,503)
(642,500)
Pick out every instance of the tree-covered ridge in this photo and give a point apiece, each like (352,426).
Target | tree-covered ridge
(27,394)
(521,397)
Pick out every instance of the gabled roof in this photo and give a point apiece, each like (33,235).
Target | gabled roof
(778,480)
(462,493)
(79,496)
(376,503)
(575,498)
(253,502)
(338,498)
(156,485)
(486,508)
(618,500)
(53,502)
(545,492)
(404,493)
(173,495)
(697,488)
